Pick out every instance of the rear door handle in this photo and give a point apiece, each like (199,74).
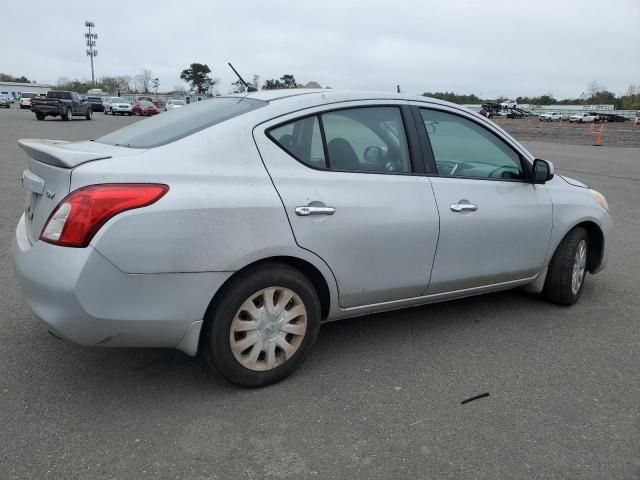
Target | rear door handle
(311,210)
(463,207)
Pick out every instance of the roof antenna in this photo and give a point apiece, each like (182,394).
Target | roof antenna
(249,87)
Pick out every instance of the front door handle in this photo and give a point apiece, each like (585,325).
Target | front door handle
(464,207)
(312,210)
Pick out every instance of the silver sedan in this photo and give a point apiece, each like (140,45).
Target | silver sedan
(235,227)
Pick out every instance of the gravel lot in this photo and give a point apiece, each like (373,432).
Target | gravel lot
(531,129)
(380,395)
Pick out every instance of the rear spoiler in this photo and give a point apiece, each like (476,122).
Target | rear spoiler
(60,153)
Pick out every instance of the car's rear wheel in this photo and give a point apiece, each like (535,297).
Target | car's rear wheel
(568,268)
(89,114)
(67,115)
(262,326)
(40,116)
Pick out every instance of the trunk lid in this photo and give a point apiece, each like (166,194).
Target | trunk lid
(47,178)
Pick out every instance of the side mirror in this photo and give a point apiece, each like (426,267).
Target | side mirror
(542,171)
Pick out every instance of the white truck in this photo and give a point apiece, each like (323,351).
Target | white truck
(25,99)
(582,118)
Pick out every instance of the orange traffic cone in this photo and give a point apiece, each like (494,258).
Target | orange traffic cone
(598,141)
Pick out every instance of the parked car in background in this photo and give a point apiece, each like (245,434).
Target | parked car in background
(637,118)
(117,105)
(144,107)
(96,103)
(5,102)
(172,104)
(550,117)
(235,227)
(582,118)
(63,104)
(509,104)
(139,98)
(613,118)
(25,99)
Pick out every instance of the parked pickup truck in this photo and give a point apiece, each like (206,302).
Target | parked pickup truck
(63,104)
(582,118)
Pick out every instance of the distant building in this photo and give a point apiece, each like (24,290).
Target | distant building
(15,89)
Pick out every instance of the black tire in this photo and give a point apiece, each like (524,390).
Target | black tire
(40,116)
(89,114)
(67,115)
(129,114)
(558,284)
(216,346)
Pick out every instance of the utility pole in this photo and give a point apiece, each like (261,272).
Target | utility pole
(91,43)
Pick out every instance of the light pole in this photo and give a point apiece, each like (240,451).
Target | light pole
(91,43)
(156,82)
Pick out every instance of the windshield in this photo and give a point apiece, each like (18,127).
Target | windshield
(144,103)
(118,100)
(178,102)
(95,99)
(180,123)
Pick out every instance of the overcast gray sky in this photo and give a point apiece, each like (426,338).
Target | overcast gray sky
(487,47)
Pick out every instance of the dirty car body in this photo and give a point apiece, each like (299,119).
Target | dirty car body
(377,208)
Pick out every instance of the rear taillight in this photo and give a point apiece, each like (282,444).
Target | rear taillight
(80,215)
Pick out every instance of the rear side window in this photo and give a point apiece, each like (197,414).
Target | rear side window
(303,140)
(369,139)
(180,123)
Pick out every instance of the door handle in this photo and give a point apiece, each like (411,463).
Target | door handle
(463,207)
(311,210)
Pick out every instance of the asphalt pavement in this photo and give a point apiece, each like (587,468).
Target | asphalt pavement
(380,396)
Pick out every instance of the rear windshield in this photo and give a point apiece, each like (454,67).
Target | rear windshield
(28,95)
(180,123)
(95,99)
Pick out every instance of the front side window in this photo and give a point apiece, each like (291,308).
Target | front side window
(462,148)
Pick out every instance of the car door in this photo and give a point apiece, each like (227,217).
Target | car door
(357,196)
(495,225)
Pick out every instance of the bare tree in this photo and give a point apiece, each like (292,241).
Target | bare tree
(594,87)
(143,80)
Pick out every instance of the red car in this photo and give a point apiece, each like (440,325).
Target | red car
(144,107)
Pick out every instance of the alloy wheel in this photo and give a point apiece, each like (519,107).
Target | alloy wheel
(579,267)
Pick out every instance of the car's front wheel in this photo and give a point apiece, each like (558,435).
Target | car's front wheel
(568,268)
(89,114)
(262,326)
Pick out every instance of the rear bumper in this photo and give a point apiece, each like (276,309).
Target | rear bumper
(46,110)
(84,298)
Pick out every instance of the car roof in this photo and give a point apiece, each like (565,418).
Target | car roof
(309,97)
